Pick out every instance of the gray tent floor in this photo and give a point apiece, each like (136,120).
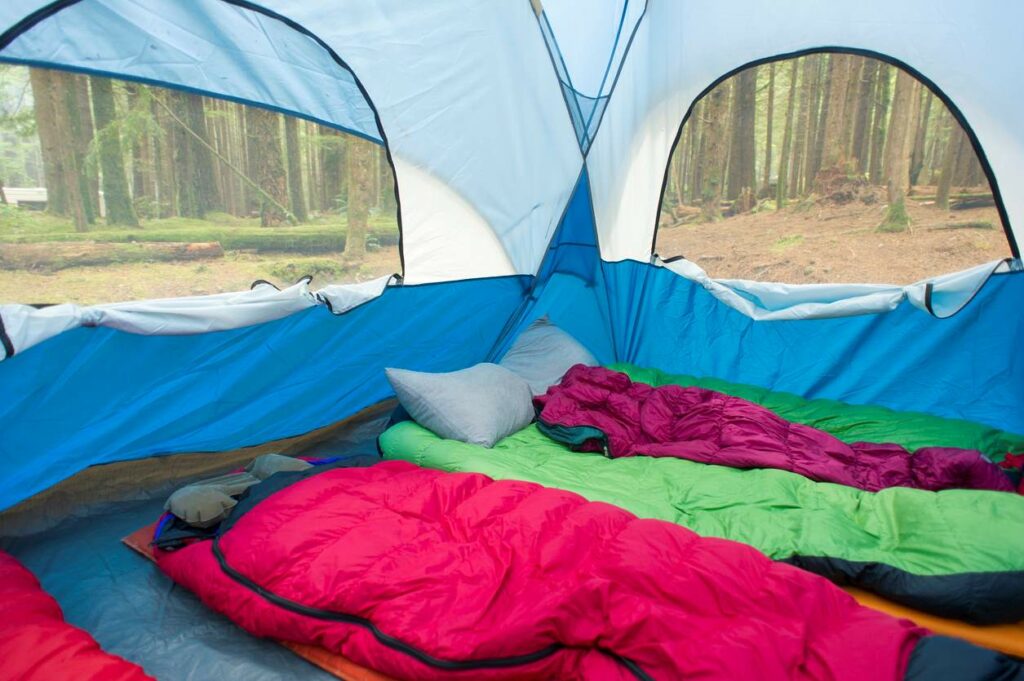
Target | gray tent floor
(134,611)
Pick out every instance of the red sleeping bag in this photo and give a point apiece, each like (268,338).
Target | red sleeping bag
(419,573)
(36,644)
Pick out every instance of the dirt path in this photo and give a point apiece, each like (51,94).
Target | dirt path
(837,243)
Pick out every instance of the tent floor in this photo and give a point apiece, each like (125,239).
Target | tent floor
(134,611)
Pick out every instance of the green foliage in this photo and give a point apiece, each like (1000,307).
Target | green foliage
(320,235)
(786,242)
(12,218)
(18,223)
(321,270)
(967,224)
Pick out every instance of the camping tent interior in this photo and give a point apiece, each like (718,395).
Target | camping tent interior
(530,145)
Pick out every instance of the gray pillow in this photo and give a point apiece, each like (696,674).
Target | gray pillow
(479,405)
(543,353)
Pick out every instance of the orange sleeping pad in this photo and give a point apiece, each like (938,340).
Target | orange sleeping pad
(1006,638)
(330,662)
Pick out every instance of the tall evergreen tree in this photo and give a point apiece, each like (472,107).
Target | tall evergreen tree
(951,149)
(742,156)
(264,147)
(879,123)
(861,143)
(832,146)
(62,97)
(296,192)
(781,190)
(898,148)
(766,170)
(714,147)
(117,199)
(359,168)
(920,134)
(47,122)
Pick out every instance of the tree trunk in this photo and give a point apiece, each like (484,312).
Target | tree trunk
(386,182)
(920,136)
(80,116)
(359,168)
(693,178)
(833,147)
(898,148)
(715,144)
(879,123)
(185,164)
(142,175)
(295,189)
(315,185)
(794,179)
(117,199)
(62,98)
(334,162)
(967,172)
(49,140)
(766,172)
(742,156)
(166,185)
(861,144)
(822,97)
(781,190)
(949,153)
(264,144)
(202,158)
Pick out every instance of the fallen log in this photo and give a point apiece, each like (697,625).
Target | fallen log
(50,256)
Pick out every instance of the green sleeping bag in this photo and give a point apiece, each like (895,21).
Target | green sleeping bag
(956,553)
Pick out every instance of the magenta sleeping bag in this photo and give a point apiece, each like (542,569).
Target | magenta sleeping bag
(711,427)
(422,574)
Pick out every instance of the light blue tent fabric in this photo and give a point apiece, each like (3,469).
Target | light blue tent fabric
(205,46)
(529,142)
(588,41)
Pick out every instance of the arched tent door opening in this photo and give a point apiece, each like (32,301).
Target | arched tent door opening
(131,192)
(736,99)
(231,50)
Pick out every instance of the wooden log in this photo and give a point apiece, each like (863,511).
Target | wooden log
(58,255)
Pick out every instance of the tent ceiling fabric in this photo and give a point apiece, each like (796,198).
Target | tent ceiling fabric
(589,40)
(971,51)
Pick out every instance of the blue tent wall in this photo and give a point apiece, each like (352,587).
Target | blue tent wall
(967,366)
(95,395)
(569,287)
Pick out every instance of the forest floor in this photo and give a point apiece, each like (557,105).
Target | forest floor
(280,255)
(803,243)
(234,272)
(826,243)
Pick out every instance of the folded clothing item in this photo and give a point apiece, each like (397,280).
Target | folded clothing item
(711,427)
(419,573)
(36,644)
